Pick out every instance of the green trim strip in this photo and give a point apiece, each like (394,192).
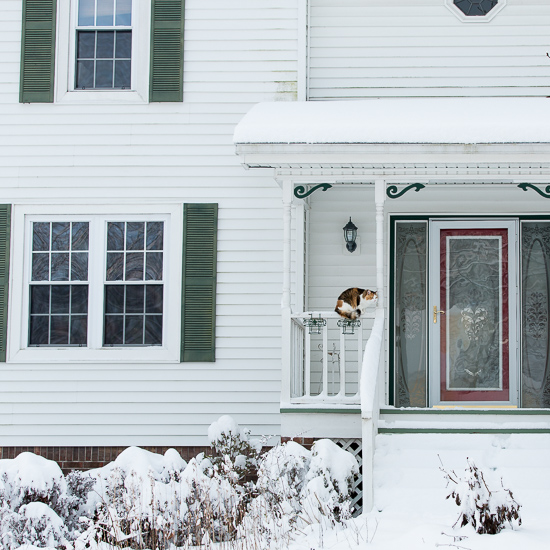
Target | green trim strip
(463,431)
(321,411)
(437,412)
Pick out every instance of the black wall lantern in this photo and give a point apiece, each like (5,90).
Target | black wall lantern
(350,235)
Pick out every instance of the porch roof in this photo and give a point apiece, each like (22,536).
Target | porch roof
(469,120)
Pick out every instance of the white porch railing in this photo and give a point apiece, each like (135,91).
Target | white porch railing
(326,367)
(372,378)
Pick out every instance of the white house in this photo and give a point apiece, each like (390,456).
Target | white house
(249,134)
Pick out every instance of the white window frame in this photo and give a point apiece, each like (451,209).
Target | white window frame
(457,12)
(65,65)
(18,326)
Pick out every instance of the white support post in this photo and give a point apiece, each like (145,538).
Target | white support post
(285,304)
(342,364)
(325,360)
(379,199)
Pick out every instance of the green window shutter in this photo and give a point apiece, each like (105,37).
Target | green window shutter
(37,51)
(198,319)
(166,74)
(5,224)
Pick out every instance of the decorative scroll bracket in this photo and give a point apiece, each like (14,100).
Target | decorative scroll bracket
(301,193)
(545,194)
(393,191)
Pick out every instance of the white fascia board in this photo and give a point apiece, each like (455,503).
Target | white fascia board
(340,155)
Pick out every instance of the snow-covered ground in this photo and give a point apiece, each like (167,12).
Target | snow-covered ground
(411,510)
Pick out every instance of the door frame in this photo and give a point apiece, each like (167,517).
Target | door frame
(435,225)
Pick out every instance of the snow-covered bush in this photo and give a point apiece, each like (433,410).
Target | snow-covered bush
(488,511)
(296,488)
(235,455)
(144,500)
(38,505)
(329,482)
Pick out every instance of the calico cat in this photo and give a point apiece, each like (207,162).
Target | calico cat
(353,301)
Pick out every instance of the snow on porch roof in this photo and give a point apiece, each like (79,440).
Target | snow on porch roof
(407,120)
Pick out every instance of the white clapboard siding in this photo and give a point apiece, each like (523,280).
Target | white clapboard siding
(236,55)
(385,48)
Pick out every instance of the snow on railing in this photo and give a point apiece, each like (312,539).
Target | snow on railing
(326,362)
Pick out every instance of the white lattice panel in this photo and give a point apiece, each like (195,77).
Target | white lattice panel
(355,447)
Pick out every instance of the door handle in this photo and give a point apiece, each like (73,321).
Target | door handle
(436,311)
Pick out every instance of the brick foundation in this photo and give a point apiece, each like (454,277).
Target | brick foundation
(86,458)
(306,442)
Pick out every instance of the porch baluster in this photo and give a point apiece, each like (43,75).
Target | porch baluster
(342,365)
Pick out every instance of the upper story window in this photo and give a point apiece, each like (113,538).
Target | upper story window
(104,44)
(475,11)
(475,7)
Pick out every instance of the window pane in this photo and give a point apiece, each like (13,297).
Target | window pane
(135,236)
(134,266)
(59,330)
(60,236)
(115,236)
(410,314)
(85,44)
(60,267)
(153,270)
(39,330)
(79,299)
(80,236)
(153,330)
(40,267)
(60,298)
(114,330)
(40,299)
(85,74)
(135,298)
(79,266)
(535,278)
(122,74)
(123,12)
(123,44)
(133,333)
(105,47)
(154,299)
(115,266)
(104,74)
(155,235)
(79,330)
(105,13)
(41,236)
(114,299)
(86,12)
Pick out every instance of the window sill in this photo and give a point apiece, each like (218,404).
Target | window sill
(101,96)
(102,355)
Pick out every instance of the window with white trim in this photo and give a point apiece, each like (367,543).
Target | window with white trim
(96,286)
(103,51)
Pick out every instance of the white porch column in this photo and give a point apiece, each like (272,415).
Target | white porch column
(285,304)
(379,199)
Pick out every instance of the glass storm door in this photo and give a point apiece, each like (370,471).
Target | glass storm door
(472,312)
